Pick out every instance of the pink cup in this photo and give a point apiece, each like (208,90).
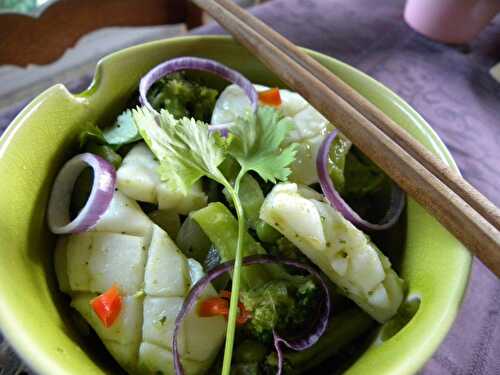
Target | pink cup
(450,21)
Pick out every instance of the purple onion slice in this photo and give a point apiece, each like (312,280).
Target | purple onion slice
(222,128)
(194,63)
(300,343)
(397,200)
(100,197)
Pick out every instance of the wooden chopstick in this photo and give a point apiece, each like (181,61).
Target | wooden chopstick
(436,166)
(440,199)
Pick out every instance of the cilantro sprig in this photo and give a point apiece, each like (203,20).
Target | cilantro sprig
(187,151)
(256,144)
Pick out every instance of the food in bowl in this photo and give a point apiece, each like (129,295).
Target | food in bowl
(208,231)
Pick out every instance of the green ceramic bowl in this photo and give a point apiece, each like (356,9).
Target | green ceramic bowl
(35,317)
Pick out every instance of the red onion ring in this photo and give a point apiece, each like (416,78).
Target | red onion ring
(194,63)
(100,197)
(397,200)
(295,344)
(222,128)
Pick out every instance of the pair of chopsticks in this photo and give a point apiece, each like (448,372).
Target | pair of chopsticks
(465,212)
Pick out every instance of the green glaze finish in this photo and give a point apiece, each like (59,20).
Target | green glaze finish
(34,316)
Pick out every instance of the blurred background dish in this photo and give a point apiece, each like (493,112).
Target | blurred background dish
(450,21)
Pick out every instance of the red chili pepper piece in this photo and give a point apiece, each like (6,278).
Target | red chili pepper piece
(108,306)
(270,97)
(219,306)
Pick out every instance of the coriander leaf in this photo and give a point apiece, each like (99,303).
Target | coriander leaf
(185,148)
(123,131)
(256,141)
(205,150)
(92,134)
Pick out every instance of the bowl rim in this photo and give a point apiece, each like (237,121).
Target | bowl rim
(20,343)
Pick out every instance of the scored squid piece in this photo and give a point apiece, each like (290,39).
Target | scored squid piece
(97,260)
(343,252)
(153,277)
(138,178)
(164,254)
(125,216)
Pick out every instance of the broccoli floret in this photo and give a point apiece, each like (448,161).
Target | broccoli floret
(283,306)
(183,97)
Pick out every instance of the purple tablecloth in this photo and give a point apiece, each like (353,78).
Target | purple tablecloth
(451,88)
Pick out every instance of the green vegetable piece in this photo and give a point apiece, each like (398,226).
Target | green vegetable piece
(336,162)
(362,176)
(192,240)
(250,351)
(285,248)
(183,97)
(279,305)
(170,93)
(166,220)
(342,330)
(251,198)
(106,152)
(123,131)
(229,168)
(221,227)
(204,104)
(267,233)
(352,173)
